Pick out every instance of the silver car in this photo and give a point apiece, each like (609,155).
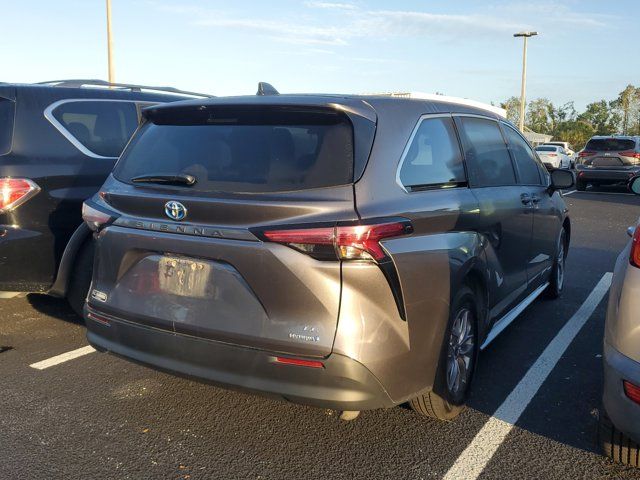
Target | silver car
(619,431)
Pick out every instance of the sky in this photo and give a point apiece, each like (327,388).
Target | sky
(586,49)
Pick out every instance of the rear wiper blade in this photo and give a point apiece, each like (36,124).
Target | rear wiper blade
(169,179)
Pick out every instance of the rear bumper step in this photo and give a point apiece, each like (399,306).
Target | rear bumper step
(343,383)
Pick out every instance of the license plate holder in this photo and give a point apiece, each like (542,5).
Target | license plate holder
(184,277)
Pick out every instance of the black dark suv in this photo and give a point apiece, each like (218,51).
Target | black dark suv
(58,142)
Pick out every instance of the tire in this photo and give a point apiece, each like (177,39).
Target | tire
(447,398)
(556,280)
(581,186)
(80,278)
(616,445)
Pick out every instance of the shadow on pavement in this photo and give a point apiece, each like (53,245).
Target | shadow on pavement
(54,307)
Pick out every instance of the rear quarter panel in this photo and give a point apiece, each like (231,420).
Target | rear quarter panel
(431,263)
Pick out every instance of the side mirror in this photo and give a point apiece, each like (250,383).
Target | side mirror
(634,184)
(562,179)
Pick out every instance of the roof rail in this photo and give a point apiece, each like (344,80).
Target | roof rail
(118,86)
(445,98)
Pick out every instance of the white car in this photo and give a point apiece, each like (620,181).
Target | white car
(566,145)
(553,156)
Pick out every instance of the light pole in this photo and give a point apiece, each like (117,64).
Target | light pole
(526,36)
(110,44)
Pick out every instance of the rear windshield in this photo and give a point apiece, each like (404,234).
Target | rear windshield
(546,149)
(7,110)
(610,144)
(267,154)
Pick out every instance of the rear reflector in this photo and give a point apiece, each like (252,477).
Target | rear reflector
(634,255)
(299,362)
(15,191)
(342,242)
(631,391)
(98,318)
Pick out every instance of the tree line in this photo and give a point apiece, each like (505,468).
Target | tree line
(619,116)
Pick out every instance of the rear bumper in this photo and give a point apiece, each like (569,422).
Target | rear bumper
(343,383)
(605,175)
(624,413)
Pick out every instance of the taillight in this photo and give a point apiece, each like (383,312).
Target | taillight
(15,191)
(343,242)
(631,391)
(586,153)
(634,256)
(630,153)
(552,154)
(95,218)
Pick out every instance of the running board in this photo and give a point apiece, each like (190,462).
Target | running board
(505,321)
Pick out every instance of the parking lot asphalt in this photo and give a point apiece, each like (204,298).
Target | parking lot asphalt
(98,416)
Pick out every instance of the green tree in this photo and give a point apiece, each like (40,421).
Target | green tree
(577,133)
(541,116)
(628,107)
(512,106)
(601,117)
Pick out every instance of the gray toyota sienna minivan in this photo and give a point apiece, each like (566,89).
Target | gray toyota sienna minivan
(347,252)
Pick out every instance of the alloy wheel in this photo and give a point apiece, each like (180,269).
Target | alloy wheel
(460,351)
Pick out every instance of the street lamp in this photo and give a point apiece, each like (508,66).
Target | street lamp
(525,35)
(110,44)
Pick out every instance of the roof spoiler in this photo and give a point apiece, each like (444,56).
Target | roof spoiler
(265,88)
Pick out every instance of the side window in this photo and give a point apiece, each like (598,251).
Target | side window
(433,158)
(488,160)
(102,127)
(7,111)
(523,155)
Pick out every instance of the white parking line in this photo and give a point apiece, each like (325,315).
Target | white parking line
(63,357)
(479,452)
(568,193)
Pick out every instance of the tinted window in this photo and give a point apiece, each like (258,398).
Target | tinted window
(488,160)
(104,128)
(265,157)
(433,158)
(524,157)
(610,144)
(546,149)
(7,109)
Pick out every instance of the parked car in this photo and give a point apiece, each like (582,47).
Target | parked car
(58,142)
(292,245)
(553,156)
(619,431)
(565,145)
(608,160)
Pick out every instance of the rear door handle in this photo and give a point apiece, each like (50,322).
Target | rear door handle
(525,199)
(535,199)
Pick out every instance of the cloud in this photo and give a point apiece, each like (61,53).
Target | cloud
(330,5)
(500,20)
(555,12)
(281,30)
(411,23)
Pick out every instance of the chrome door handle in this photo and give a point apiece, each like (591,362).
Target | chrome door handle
(525,199)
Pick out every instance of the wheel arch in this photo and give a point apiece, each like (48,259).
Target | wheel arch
(77,240)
